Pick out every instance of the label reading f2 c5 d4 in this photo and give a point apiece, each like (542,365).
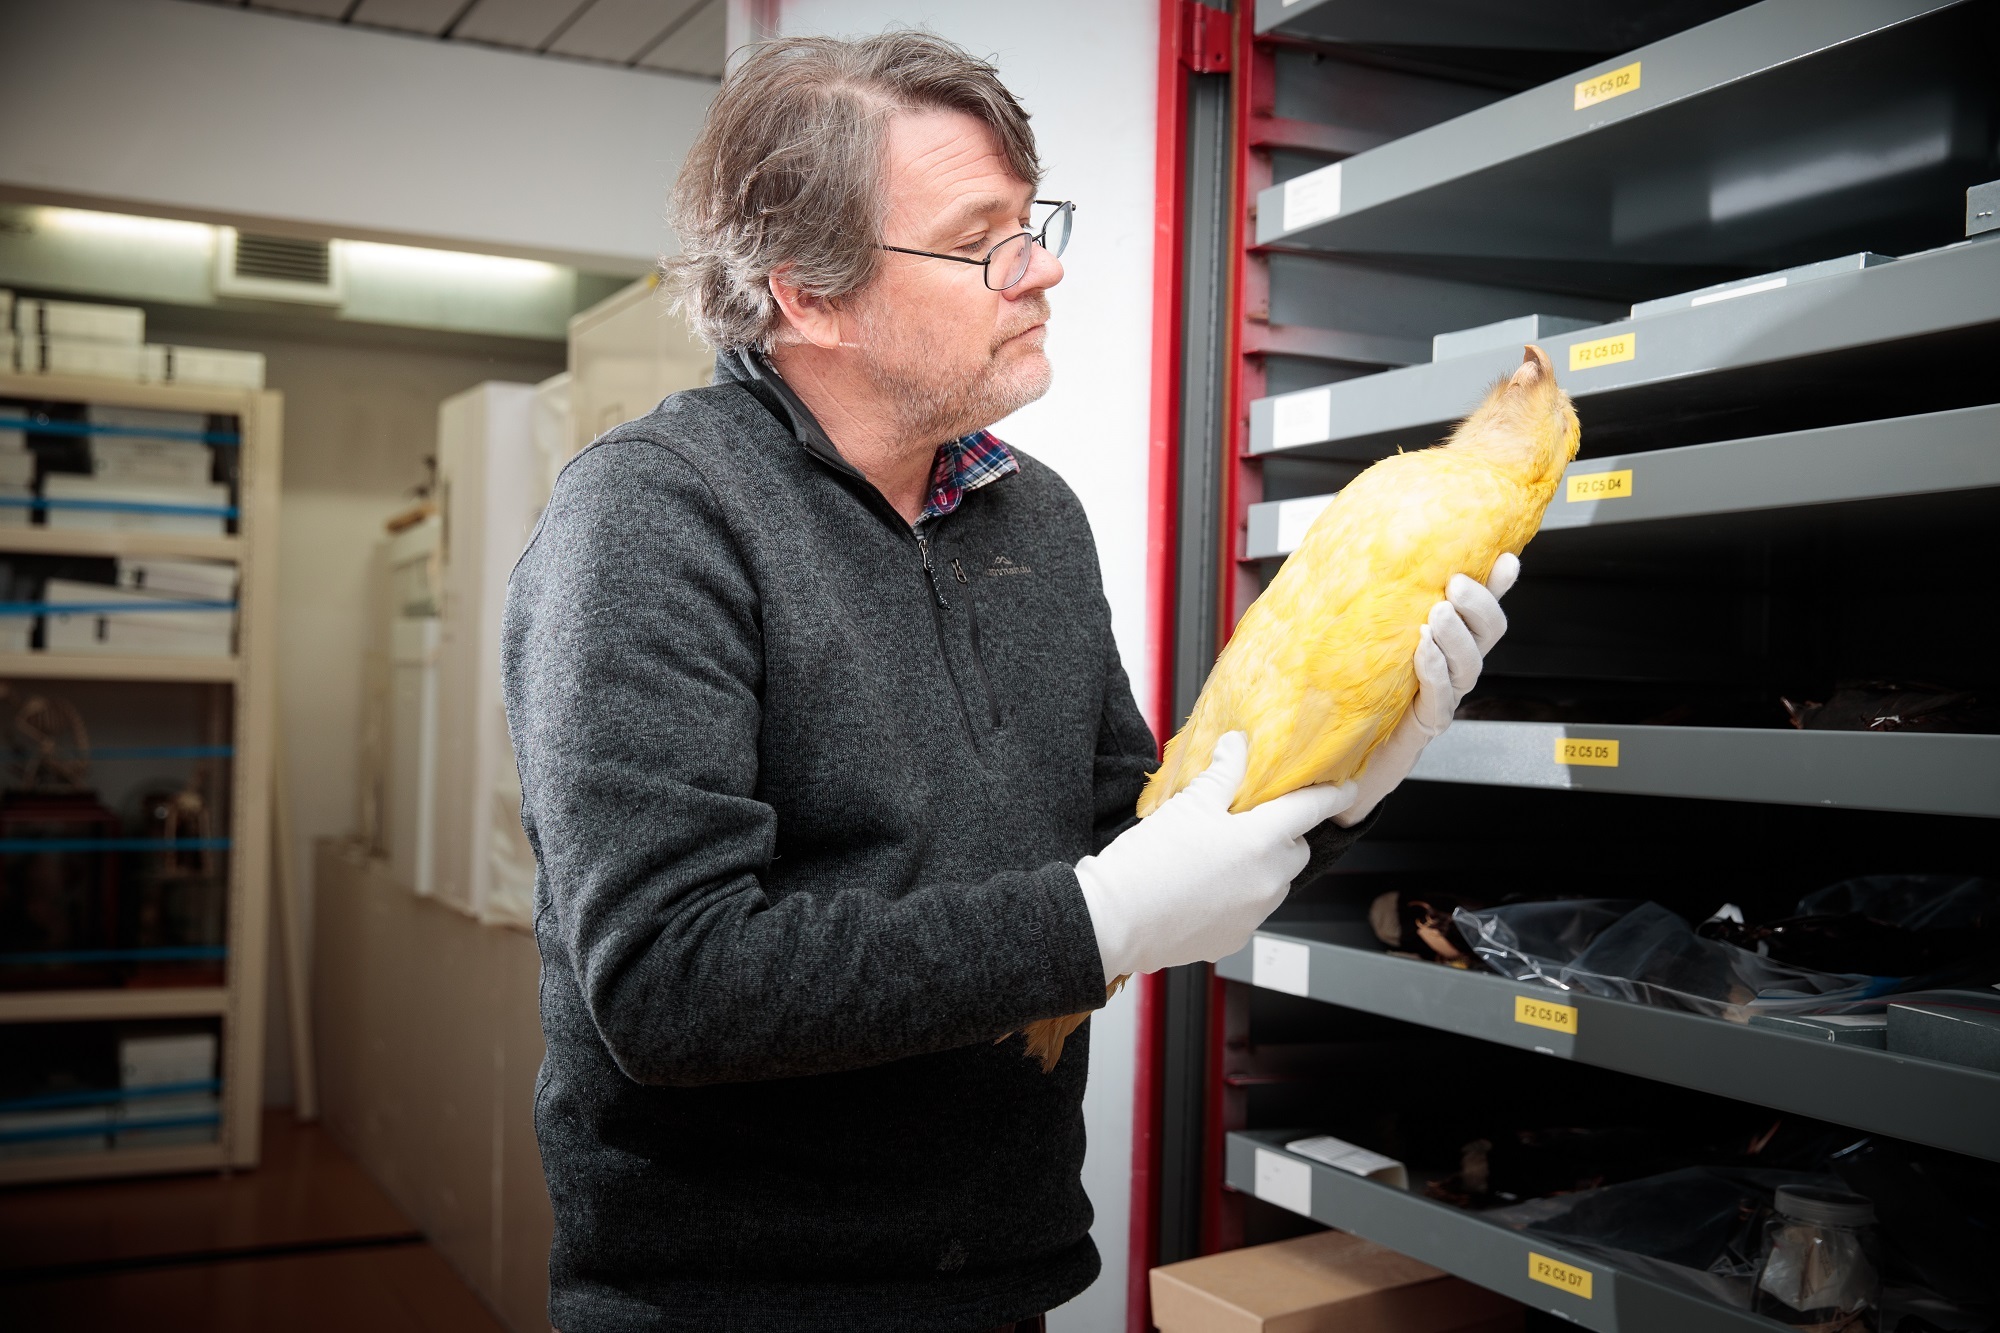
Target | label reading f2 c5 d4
(1600,486)
(1604,87)
(1561,1276)
(1603,351)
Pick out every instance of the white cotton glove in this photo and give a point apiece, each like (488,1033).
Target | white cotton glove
(1451,647)
(1190,882)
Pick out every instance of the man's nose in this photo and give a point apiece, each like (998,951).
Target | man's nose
(1044,272)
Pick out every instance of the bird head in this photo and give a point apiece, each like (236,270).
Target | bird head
(1526,424)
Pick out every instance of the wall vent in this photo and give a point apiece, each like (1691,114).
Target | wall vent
(277,268)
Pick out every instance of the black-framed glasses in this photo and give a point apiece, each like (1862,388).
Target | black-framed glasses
(1007,263)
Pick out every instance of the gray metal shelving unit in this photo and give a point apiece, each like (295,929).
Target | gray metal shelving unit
(1644,157)
(1888,320)
(1927,454)
(1339,962)
(1742,228)
(1582,1289)
(1939,773)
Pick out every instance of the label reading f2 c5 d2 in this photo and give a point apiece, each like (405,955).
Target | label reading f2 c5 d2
(1604,87)
(1603,351)
(1561,1276)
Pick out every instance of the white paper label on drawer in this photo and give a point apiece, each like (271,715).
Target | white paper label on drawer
(1301,418)
(1313,197)
(1285,1181)
(1295,517)
(1284,965)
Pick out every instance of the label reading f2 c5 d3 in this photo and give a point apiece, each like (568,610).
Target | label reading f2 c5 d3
(1561,1276)
(1603,351)
(1604,87)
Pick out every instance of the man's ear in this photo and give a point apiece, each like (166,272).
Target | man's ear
(808,318)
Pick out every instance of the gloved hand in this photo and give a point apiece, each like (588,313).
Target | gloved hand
(1190,882)
(1451,647)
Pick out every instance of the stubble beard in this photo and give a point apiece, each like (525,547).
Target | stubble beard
(935,399)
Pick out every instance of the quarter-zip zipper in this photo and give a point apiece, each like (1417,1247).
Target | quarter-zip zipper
(938,603)
(978,651)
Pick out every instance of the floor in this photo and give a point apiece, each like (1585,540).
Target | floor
(305,1242)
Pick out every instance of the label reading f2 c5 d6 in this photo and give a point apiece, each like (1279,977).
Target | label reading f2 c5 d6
(1603,351)
(1561,1276)
(1589,753)
(1545,1014)
(1604,87)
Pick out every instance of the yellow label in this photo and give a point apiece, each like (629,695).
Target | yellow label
(1592,754)
(1603,352)
(1545,1014)
(1604,87)
(1601,485)
(1575,1281)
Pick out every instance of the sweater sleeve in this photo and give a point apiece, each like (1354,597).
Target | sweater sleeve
(632,664)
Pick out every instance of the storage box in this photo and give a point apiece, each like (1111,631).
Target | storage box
(1958,1028)
(16,515)
(80,321)
(57,1131)
(1325,1282)
(149,462)
(152,1062)
(139,632)
(196,580)
(74,486)
(93,360)
(213,367)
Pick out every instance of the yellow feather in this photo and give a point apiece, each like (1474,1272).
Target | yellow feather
(1319,670)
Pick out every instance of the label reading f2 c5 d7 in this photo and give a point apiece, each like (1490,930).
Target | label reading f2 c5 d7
(1603,351)
(1604,87)
(1561,1276)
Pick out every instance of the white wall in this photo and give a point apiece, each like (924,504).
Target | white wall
(195,110)
(1087,72)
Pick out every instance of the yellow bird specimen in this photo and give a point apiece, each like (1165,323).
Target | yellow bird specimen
(1320,669)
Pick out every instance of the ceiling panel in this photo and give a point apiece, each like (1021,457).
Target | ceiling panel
(425,16)
(319,9)
(697,46)
(522,23)
(618,30)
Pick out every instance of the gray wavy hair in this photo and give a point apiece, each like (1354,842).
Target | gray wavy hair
(787,170)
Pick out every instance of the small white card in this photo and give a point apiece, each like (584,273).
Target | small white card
(1313,197)
(1345,1156)
(1295,517)
(1284,965)
(1284,1181)
(1301,418)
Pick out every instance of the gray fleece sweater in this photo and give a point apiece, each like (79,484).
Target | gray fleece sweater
(805,796)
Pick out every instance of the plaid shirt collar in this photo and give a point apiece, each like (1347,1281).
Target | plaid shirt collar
(963,465)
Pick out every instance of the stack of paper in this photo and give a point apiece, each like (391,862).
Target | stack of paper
(165,511)
(166,459)
(170,1097)
(101,624)
(80,338)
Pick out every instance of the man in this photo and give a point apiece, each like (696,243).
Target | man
(827,756)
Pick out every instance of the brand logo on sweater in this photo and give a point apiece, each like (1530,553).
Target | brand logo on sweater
(1002,567)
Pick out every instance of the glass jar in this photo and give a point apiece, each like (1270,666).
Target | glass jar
(1822,1262)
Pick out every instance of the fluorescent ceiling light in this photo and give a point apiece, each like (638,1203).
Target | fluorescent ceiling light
(125,226)
(410,261)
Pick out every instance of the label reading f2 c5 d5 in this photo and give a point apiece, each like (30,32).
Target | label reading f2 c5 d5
(1561,1276)
(1604,87)
(1590,753)
(1603,351)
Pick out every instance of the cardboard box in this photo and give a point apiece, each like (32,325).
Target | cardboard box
(95,360)
(213,367)
(1326,1283)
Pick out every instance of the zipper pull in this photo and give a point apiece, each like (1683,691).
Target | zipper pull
(930,573)
(958,571)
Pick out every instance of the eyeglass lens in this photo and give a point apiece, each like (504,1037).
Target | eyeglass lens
(1008,263)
